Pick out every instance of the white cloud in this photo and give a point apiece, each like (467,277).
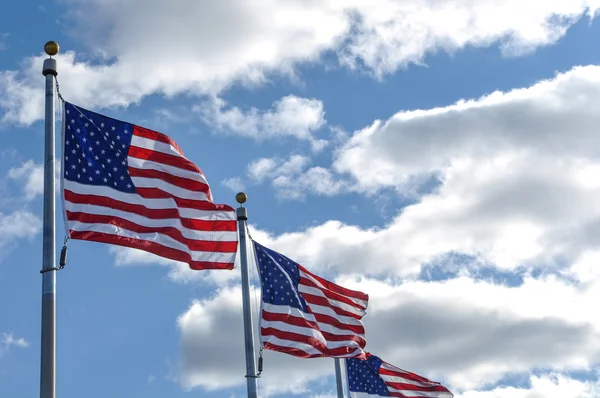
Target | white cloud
(151,46)
(234,183)
(554,118)
(31,176)
(546,386)
(464,332)
(17,225)
(212,350)
(290,116)
(8,340)
(291,178)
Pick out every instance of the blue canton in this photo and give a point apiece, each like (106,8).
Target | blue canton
(95,149)
(279,278)
(363,376)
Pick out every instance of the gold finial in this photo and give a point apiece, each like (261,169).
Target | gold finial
(241,197)
(51,48)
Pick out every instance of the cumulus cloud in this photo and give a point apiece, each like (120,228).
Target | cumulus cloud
(20,224)
(508,179)
(465,332)
(545,386)
(291,178)
(290,116)
(206,47)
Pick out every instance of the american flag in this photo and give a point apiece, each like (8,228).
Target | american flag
(307,316)
(374,377)
(126,185)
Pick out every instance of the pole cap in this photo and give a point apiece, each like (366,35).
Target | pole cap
(51,48)
(241,197)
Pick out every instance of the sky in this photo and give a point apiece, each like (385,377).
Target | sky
(440,155)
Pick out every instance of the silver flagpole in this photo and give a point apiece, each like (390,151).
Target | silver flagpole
(251,376)
(339,381)
(48,344)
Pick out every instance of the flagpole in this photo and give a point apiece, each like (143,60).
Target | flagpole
(251,376)
(339,381)
(48,328)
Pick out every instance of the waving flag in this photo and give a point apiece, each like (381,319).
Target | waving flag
(307,316)
(373,377)
(126,185)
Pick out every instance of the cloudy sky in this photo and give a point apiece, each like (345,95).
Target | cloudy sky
(441,155)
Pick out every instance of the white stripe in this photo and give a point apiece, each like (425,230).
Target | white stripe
(153,145)
(155,238)
(220,236)
(142,182)
(408,393)
(176,171)
(348,320)
(135,199)
(285,309)
(362,303)
(399,379)
(334,303)
(285,327)
(427,394)
(309,349)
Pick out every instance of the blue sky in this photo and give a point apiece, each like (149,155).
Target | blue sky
(441,158)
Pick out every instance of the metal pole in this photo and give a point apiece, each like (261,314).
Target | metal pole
(251,376)
(339,381)
(48,329)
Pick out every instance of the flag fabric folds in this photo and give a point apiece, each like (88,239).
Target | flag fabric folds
(126,185)
(374,377)
(307,316)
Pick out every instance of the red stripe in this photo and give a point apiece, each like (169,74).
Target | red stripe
(322,301)
(298,352)
(151,247)
(156,136)
(412,387)
(406,375)
(331,294)
(309,340)
(155,193)
(171,232)
(185,183)
(303,322)
(337,288)
(165,158)
(154,214)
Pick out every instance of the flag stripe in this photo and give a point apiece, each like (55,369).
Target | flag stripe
(157,136)
(308,280)
(307,316)
(130,186)
(162,240)
(306,350)
(174,171)
(171,232)
(337,288)
(190,218)
(378,378)
(316,320)
(319,299)
(295,318)
(152,247)
(160,157)
(181,182)
(296,327)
